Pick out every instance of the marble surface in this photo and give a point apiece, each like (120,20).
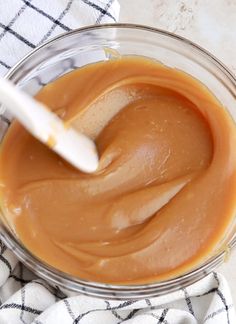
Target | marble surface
(210,24)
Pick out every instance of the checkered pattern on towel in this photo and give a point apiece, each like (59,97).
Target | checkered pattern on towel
(29,300)
(25,24)
(26,299)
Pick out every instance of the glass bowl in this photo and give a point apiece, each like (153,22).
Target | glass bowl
(97,43)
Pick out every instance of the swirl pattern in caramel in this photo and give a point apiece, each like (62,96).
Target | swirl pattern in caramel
(164,194)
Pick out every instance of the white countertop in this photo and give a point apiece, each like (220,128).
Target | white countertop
(211,24)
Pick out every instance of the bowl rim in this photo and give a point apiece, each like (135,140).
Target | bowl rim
(56,276)
(163,32)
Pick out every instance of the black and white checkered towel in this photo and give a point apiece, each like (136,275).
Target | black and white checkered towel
(27,299)
(24,24)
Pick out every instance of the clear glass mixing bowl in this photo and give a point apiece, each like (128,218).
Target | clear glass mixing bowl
(96,43)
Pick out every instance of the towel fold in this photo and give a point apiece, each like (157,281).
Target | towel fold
(26,24)
(29,300)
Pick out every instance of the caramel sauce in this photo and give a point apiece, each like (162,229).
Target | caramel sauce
(164,194)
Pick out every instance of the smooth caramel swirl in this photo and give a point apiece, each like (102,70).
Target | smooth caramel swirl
(164,194)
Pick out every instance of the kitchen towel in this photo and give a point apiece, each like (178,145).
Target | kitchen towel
(26,24)
(26,299)
(29,300)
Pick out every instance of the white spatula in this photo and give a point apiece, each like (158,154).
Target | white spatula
(76,148)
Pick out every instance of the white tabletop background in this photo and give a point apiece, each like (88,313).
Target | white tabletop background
(209,23)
